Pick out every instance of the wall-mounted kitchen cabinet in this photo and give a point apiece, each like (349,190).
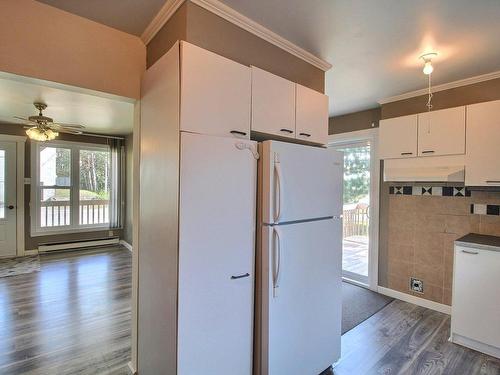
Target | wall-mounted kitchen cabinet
(215,93)
(441,132)
(482,161)
(273,104)
(311,115)
(398,137)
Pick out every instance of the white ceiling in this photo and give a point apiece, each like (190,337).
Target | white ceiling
(98,112)
(373,45)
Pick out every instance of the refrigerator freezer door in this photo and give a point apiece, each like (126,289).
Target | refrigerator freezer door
(301,294)
(299,182)
(216,255)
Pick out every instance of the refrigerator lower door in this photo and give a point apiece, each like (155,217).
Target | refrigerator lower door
(216,255)
(301,309)
(299,182)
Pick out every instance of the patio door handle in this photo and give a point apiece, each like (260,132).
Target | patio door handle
(11,207)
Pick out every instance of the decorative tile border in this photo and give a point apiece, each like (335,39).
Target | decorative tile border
(440,191)
(485,209)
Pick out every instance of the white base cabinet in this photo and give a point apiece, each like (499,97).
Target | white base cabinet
(475,311)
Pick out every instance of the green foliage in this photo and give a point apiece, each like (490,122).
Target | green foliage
(356,173)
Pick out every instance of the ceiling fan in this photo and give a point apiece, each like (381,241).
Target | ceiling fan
(43,128)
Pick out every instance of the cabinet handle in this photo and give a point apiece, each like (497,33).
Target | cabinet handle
(286,131)
(428,152)
(493,181)
(238,132)
(240,276)
(470,252)
(305,134)
(407,153)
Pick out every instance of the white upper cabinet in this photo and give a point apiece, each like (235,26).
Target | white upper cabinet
(441,132)
(398,137)
(273,104)
(482,160)
(311,115)
(215,94)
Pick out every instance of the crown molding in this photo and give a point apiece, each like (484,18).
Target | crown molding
(229,14)
(444,86)
(161,18)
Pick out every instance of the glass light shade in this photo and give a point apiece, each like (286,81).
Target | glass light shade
(428,68)
(41,135)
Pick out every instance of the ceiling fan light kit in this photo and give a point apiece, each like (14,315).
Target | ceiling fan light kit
(42,128)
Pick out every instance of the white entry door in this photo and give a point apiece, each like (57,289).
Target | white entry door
(8,212)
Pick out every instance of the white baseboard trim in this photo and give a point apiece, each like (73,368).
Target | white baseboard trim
(445,309)
(77,245)
(131,369)
(475,345)
(126,245)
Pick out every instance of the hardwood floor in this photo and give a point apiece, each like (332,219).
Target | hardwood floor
(406,339)
(71,317)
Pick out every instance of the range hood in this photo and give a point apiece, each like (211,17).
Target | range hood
(425,169)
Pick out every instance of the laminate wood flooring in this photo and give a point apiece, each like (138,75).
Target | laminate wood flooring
(406,339)
(71,317)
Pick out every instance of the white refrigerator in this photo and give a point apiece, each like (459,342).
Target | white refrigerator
(298,269)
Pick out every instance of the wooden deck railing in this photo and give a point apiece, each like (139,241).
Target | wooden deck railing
(58,213)
(356,220)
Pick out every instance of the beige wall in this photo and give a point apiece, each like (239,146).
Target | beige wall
(207,30)
(354,121)
(32,243)
(40,41)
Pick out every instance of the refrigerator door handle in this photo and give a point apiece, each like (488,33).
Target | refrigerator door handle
(277,189)
(276,261)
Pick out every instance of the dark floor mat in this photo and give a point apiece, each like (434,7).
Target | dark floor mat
(358,304)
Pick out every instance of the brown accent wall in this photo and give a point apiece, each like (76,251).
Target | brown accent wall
(475,93)
(416,233)
(175,29)
(421,231)
(32,243)
(197,25)
(354,121)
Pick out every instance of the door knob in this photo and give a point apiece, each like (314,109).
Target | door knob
(11,207)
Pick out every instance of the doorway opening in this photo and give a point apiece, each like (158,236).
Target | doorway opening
(360,206)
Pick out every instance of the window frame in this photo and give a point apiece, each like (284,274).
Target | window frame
(74,188)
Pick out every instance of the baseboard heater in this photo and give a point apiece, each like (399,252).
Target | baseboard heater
(77,244)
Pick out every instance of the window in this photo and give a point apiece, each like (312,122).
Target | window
(71,187)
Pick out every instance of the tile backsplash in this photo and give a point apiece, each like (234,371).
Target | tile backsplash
(422,226)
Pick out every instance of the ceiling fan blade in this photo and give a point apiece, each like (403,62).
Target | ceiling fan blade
(63,125)
(24,120)
(69,131)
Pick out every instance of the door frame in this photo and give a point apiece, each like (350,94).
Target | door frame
(370,135)
(20,153)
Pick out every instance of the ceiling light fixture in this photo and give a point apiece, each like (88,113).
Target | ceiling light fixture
(38,133)
(428,69)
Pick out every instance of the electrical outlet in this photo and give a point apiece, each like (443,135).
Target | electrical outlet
(416,285)
(111,233)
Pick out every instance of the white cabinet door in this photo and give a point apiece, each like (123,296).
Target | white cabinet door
(215,94)
(273,104)
(303,296)
(482,159)
(476,291)
(441,132)
(311,115)
(216,255)
(398,137)
(299,182)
